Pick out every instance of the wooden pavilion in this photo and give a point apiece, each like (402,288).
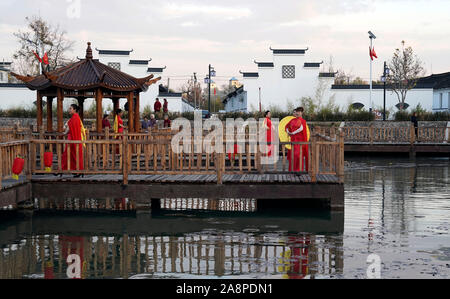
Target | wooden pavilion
(87,78)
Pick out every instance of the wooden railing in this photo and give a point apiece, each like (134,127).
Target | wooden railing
(395,135)
(152,153)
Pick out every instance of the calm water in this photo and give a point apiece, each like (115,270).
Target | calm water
(395,208)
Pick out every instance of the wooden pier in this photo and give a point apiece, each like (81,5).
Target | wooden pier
(146,168)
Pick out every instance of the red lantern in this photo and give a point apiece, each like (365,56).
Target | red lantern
(17,168)
(48,161)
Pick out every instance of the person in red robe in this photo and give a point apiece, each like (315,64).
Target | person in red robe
(297,129)
(118,127)
(74,132)
(269,129)
(167,122)
(166,106)
(157,106)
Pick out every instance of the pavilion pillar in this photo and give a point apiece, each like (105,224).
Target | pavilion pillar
(137,116)
(59,110)
(116,105)
(131,112)
(50,114)
(99,99)
(39,110)
(81,105)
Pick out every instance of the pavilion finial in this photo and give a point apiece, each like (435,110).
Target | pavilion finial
(89,51)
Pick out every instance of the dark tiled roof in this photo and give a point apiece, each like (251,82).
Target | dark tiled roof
(265,64)
(169,94)
(155,70)
(5,63)
(250,75)
(436,81)
(140,62)
(375,86)
(13,85)
(114,52)
(312,64)
(327,75)
(88,74)
(4,70)
(289,51)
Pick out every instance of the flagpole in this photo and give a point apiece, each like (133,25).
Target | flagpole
(371,36)
(370,97)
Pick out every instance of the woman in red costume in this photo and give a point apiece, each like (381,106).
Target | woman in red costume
(297,129)
(269,129)
(118,126)
(74,131)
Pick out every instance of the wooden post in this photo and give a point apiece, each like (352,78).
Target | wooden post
(130,112)
(116,104)
(341,157)
(314,154)
(412,133)
(39,110)
(137,117)
(49,114)
(81,105)
(99,99)
(60,96)
(125,157)
(219,170)
(371,134)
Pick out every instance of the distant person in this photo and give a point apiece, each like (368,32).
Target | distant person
(166,106)
(152,122)
(415,123)
(167,122)
(157,106)
(105,122)
(145,124)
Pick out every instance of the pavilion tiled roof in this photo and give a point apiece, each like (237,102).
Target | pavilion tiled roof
(87,74)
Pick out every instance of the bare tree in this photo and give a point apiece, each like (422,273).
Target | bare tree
(41,37)
(193,92)
(406,68)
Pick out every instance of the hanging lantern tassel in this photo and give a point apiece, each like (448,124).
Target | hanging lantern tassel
(17,167)
(48,161)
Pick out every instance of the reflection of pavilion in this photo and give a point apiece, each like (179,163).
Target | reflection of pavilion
(212,252)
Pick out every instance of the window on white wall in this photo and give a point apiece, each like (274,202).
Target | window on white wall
(114,65)
(1,77)
(440,100)
(288,71)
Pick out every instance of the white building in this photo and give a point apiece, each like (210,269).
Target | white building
(291,76)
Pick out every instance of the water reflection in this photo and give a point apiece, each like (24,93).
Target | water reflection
(197,245)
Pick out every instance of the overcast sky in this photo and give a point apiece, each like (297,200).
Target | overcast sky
(188,35)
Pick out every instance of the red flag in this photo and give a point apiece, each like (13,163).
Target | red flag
(370,53)
(374,54)
(37,56)
(215,91)
(45,58)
